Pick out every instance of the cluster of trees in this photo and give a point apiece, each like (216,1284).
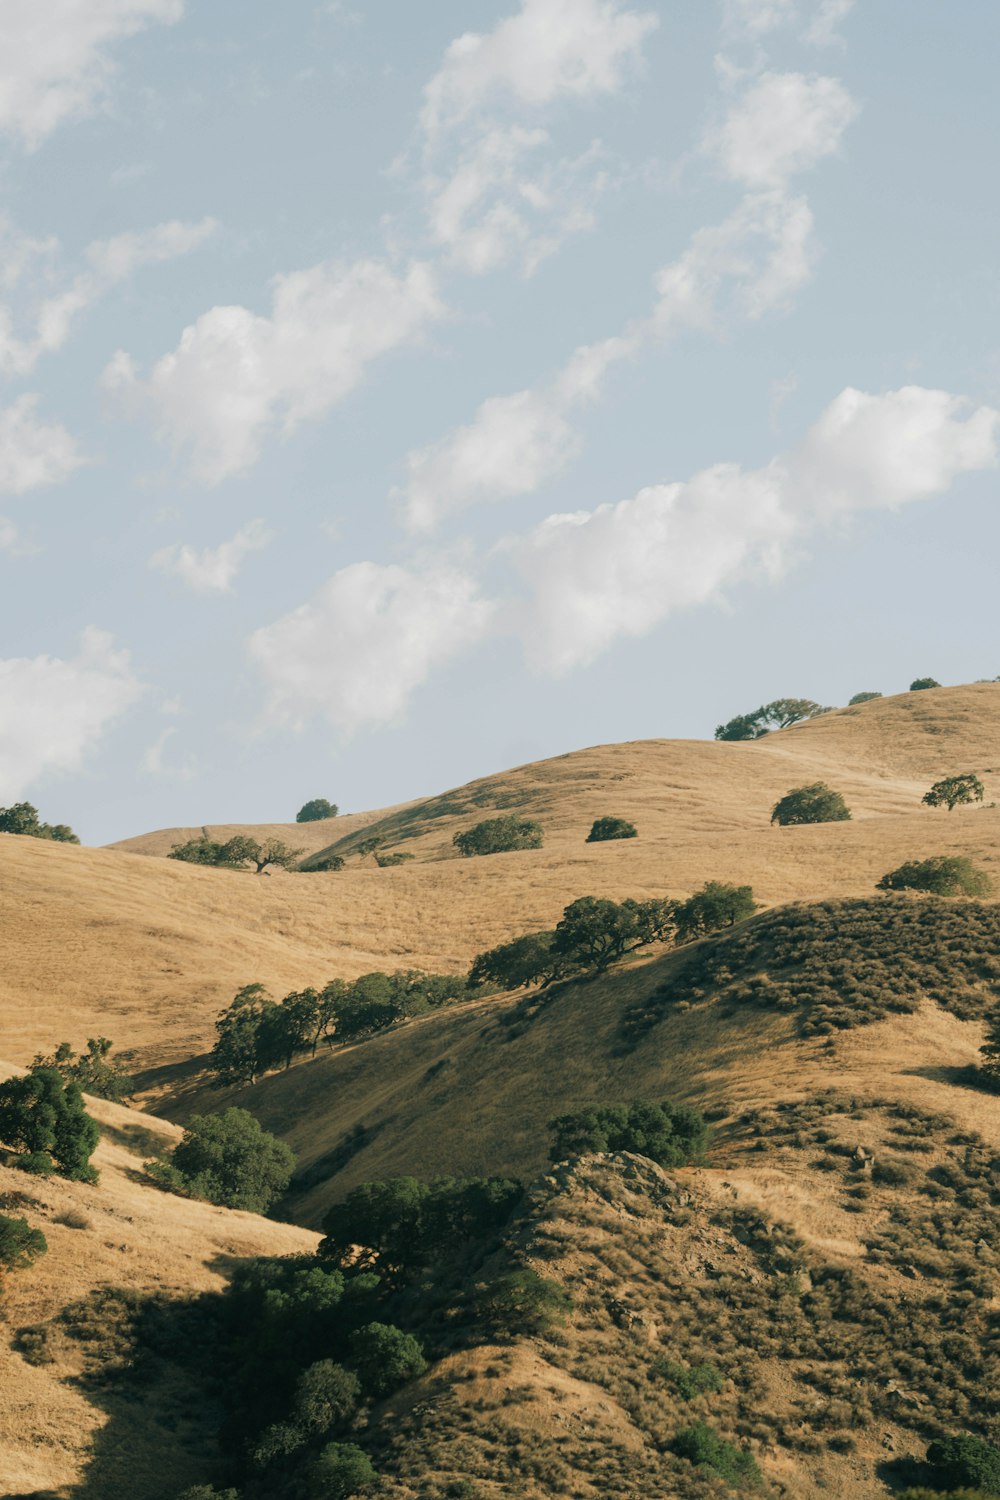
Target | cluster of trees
(236,853)
(499,836)
(256,1034)
(42,1118)
(316,811)
(780,714)
(604,829)
(941,875)
(816,803)
(95,1071)
(668,1134)
(22,818)
(20,1245)
(594,933)
(227,1158)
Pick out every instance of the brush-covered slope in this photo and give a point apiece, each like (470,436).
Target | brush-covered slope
(147,950)
(108,1244)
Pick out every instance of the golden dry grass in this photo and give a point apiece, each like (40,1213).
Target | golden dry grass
(147,950)
(52,1435)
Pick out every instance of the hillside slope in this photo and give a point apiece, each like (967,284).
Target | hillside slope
(147,950)
(119,1238)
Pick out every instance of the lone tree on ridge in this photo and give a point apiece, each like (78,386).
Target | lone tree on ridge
(954,790)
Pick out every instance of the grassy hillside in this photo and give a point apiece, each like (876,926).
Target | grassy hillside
(147,950)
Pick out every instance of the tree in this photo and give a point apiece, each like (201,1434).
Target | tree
(990,1050)
(44,1116)
(236,852)
(325,1396)
(342,1469)
(236,1056)
(20,1245)
(499,836)
(942,875)
(23,818)
(965,1460)
(604,829)
(784,712)
(668,1134)
(229,1158)
(274,852)
(515,965)
(93,1070)
(816,803)
(200,851)
(744,727)
(862,698)
(325,862)
(595,933)
(954,790)
(919,684)
(316,811)
(369,845)
(522,1302)
(715,906)
(385,1358)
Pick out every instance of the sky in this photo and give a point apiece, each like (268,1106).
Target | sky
(391,394)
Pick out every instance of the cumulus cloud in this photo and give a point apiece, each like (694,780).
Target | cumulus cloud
(783,124)
(33,453)
(374,633)
(29,268)
(55,61)
(53,712)
(155,763)
(212,569)
(816,20)
(237,377)
(617,571)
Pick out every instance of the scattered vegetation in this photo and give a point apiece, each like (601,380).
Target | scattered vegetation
(386,861)
(20,1245)
(236,853)
(780,714)
(591,934)
(816,803)
(227,1158)
(325,862)
(43,1118)
(919,684)
(316,811)
(942,875)
(499,836)
(22,818)
(954,790)
(668,1134)
(862,698)
(604,829)
(95,1070)
(702,1446)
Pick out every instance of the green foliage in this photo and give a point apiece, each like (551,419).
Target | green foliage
(943,875)
(689,1381)
(668,1134)
(514,965)
(779,714)
(702,1446)
(742,727)
(237,852)
(326,862)
(862,698)
(20,1245)
(341,1470)
(229,1159)
(399,1225)
(604,829)
(38,1163)
(965,1460)
(22,817)
(953,790)
(385,1358)
(715,906)
(207,1492)
(593,933)
(316,811)
(921,1492)
(499,836)
(325,1396)
(522,1303)
(816,803)
(370,844)
(919,684)
(93,1070)
(42,1114)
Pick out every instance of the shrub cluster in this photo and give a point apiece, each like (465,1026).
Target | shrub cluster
(499,836)
(42,1117)
(668,1134)
(227,1158)
(95,1070)
(816,803)
(316,811)
(20,1245)
(22,818)
(604,829)
(942,875)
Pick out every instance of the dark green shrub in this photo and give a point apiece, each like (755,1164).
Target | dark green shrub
(593,932)
(689,1381)
(229,1159)
(943,875)
(522,1302)
(920,683)
(316,811)
(325,1396)
(207,1492)
(20,1245)
(42,1113)
(386,1358)
(742,727)
(779,714)
(38,1163)
(341,1469)
(386,861)
(23,818)
(668,1134)
(702,1446)
(816,803)
(499,836)
(954,790)
(715,906)
(514,965)
(862,698)
(326,862)
(94,1070)
(965,1460)
(604,829)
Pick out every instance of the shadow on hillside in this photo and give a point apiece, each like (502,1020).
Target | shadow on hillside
(967,1077)
(137,1139)
(175,1085)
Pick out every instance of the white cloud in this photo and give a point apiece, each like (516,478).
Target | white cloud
(213,569)
(236,377)
(33,453)
(821,31)
(53,712)
(356,653)
(28,267)
(8,535)
(54,61)
(817,19)
(548,50)
(617,571)
(785,123)
(154,761)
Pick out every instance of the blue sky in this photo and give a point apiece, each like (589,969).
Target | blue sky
(395,393)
